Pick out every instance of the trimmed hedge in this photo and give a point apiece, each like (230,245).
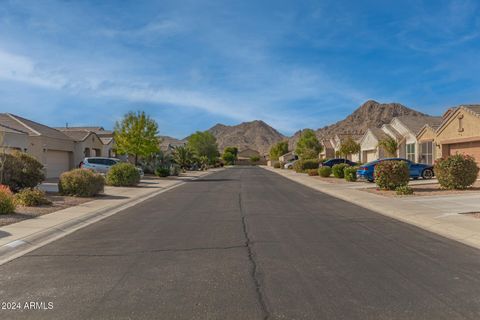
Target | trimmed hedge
(391,174)
(456,172)
(303,165)
(31,197)
(337,170)
(123,175)
(350,173)
(312,172)
(325,172)
(21,171)
(404,190)
(81,183)
(7,202)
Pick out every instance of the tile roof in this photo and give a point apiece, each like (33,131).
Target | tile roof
(4,128)
(77,135)
(415,124)
(379,133)
(106,140)
(30,127)
(473,107)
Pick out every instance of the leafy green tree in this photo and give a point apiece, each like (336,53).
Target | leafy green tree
(278,149)
(203,144)
(203,160)
(308,146)
(390,145)
(254,158)
(349,146)
(229,158)
(232,150)
(136,134)
(182,156)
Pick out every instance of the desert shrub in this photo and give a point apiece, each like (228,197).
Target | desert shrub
(456,172)
(390,175)
(350,173)
(175,170)
(325,172)
(254,158)
(22,171)
(337,170)
(7,202)
(162,172)
(81,183)
(277,165)
(31,197)
(404,190)
(312,172)
(303,165)
(123,175)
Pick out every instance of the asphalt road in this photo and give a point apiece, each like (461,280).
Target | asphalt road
(245,243)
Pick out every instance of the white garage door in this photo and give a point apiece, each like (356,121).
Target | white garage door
(57,162)
(370,155)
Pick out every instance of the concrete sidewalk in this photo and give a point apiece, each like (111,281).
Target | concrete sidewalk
(24,236)
(439,214)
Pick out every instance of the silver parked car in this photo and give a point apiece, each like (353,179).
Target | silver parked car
(289,165)
(102,165)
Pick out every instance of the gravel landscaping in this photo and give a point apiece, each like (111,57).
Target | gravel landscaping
(426,190)
(58,203)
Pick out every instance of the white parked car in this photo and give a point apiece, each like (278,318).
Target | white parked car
(102,165)
(289,165)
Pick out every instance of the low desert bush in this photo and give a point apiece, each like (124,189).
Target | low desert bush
(404,190)
(312,172)
(7,202)
(22,171)
(325,172)
(31,197)
(350,173)
(337,170)
(123,175)
(456,172)
(162,172)
(391,174)
(303,165)
(81,183)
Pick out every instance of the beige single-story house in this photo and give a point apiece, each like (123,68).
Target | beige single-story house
(51,147)
(87,144)
(287,157)
(459,132)
(426,141)
(369,148)
(12,139)
(336,143)
(328,151)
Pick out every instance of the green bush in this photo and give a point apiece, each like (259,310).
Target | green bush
(456,172)
(404,190)
(162,172)
(31,197)
(337,170)
(175,170)
(325,172)
(350,173)
(312,172)
(22,171)
(123,175)
(81,183)
(276,165)
(391,174)
(7,202)
(303,165)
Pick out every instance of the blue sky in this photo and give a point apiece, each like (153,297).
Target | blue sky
(192,64)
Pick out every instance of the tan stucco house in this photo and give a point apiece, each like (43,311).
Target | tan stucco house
(328,151)
(459,132)
(370,150)
(12,139)
(51,147)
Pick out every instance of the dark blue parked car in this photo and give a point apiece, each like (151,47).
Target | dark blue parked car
(417,170)
(330,163)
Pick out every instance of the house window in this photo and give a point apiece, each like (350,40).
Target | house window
(427,152)
(411,152)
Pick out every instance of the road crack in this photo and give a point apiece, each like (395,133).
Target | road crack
(251,258)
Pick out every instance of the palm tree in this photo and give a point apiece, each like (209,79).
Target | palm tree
(390,145)
(182,156)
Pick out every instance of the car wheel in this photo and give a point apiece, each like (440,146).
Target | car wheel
(427,174)
(370,180)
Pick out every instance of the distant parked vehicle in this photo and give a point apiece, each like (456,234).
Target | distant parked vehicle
(102,165)
(289,165)
(417,170)
(330,163)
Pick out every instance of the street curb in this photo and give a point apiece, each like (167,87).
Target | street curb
(20,247)
(471,241)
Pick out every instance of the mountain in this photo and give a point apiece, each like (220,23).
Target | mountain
(369,114)
(166,142)
(256,135)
